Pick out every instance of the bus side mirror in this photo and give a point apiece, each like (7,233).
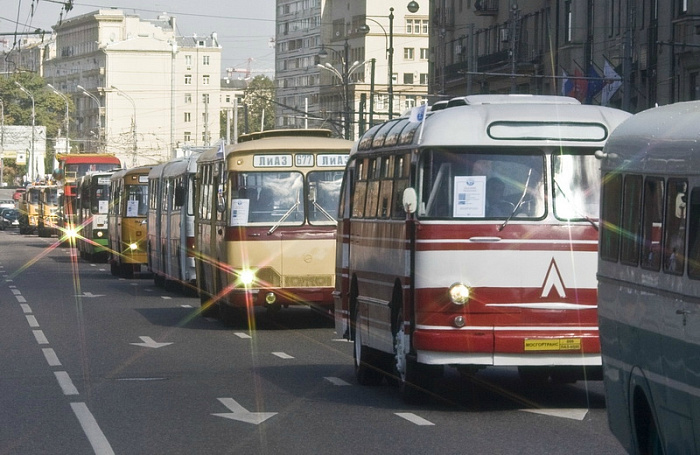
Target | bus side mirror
(410,200)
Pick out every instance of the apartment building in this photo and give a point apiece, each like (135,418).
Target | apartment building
(340,62)
(631,54)
(140,91)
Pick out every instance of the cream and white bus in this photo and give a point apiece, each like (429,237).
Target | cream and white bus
(649,280)
(266,222)
(470,240)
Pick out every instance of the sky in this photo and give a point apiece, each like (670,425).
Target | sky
(244,28)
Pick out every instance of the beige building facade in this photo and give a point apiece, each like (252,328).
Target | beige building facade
(140,91)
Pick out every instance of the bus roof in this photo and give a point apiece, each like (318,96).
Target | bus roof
(665,139)
(295,140)
(82,158)
(500,120)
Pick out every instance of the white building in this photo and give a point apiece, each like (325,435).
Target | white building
(140,91)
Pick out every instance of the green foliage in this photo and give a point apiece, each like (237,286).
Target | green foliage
(49,108)
(258,103)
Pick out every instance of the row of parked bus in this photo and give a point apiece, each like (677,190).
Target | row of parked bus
(469,239)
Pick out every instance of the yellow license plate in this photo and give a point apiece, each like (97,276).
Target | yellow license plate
(559,344)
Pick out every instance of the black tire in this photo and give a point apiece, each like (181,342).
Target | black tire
(415,380)
(232,317)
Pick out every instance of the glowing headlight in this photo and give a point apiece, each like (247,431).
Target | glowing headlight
(99,234)
(246,276)
(71,233)
(133,246)
(459,294)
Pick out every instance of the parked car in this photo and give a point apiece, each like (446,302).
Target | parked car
(9,218)
(7,204)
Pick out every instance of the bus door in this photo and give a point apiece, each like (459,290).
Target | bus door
(342,258)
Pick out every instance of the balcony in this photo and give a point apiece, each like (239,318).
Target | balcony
(486,7)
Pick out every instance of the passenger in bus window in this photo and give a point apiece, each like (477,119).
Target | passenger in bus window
(496,205)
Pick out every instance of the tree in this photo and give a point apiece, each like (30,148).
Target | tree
(258,110)
(49,110)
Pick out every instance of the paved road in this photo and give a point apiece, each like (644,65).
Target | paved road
(95,364)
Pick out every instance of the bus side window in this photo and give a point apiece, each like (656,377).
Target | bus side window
(358,200)
(674,228)
(694,235)
(611,203)
(651,223)
(632,202)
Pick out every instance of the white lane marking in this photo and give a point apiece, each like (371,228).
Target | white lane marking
(31,319)
(92,430)
(282,355)
(26,309)
(40,337)
(21,299)
(336,381)
(573,414)
(51,357)
(165,297)
(16,292)
(186,306)
(411,417)
(242,335)
(66,383)
(148,342)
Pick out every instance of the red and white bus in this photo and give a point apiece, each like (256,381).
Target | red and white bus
(72,166)
(469,240)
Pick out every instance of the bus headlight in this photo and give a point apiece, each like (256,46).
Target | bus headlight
(459,294)
(247,277)
(133,246)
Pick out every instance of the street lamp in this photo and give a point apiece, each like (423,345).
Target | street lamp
(133,120)
(65,119)
(99,112)
(344,77)
(31,171)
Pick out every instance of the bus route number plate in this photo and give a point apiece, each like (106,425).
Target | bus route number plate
(558,344)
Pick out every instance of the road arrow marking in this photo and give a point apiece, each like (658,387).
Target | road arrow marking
(89,295)
(242,335)
(148,342)
(573,414)
(241,414)
(282,355)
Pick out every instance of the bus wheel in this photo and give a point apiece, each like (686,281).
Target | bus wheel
(114,268)
(367,371)
(229,315)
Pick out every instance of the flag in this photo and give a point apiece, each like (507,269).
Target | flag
(221,152)
(595,84)
(567,85)
(612,83)
(580,86)
(417,114)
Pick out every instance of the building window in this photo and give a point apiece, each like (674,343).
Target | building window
(205,60)
(188,98)
(188,79)
(424,52)
(408,53)
(205,98)
(188,116)
(205,117)
(423,79)
(408,78)
(205,79)
(409,102)
(188,136)
(188,61)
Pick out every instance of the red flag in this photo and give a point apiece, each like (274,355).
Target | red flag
(580,85)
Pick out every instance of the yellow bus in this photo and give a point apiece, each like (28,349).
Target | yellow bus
(266,222)
(29,210)
(127,221)
(92,208)
(48,208)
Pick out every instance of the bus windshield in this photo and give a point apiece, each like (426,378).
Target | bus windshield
(268,198)
(473,184)
(324,192)
(99,199)
(576,186)
(136,200)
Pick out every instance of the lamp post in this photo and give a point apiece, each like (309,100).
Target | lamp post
(99,113)
(133,121)
(31,171)
(65,118)
(344,76)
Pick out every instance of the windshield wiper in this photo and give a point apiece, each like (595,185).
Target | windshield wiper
(572,205)
(285,216)
(520,202)
(328,215)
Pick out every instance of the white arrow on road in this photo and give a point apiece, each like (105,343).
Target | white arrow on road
(241,414)
(89,294)
(148,342)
